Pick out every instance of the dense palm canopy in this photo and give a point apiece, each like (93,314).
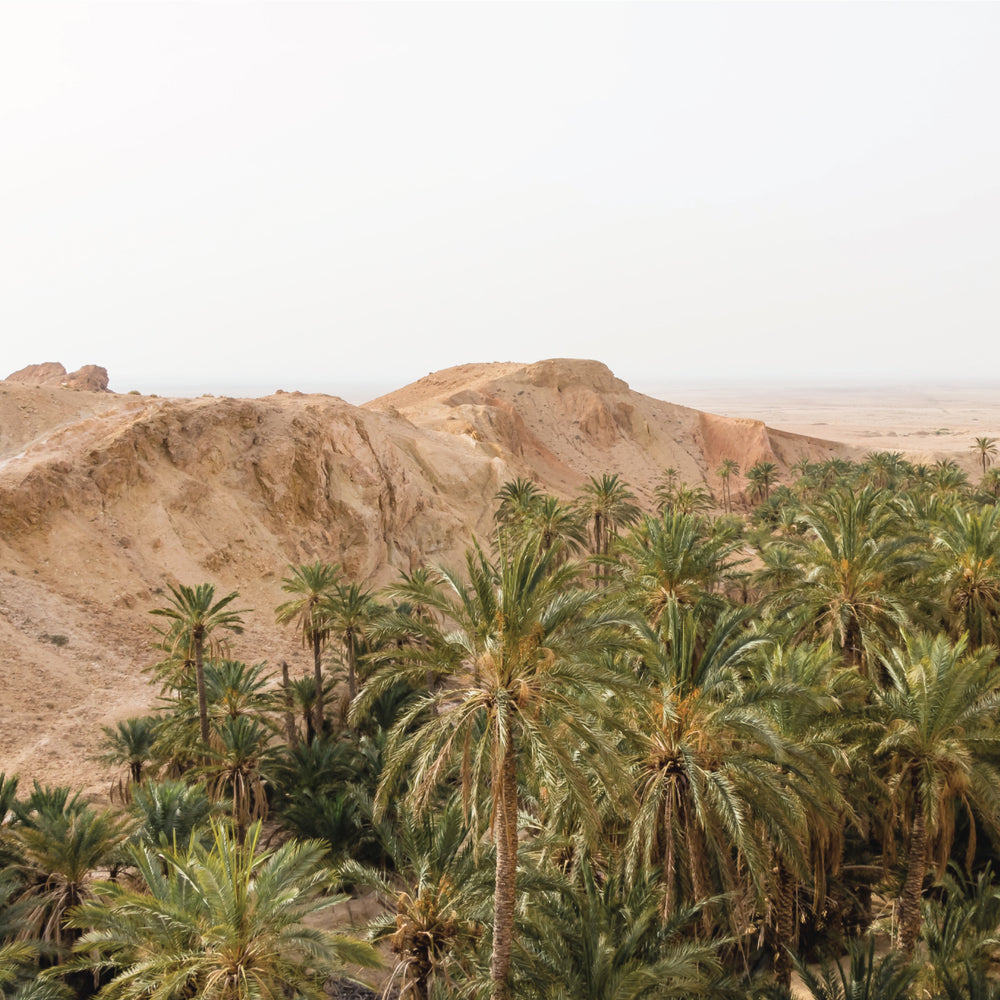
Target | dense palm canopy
(761,738)
(851,575)
(939,745)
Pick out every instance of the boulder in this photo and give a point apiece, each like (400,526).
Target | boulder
(91,378)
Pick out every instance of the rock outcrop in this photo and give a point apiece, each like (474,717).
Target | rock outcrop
(91,378)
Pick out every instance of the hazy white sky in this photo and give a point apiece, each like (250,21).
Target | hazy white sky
(305,195)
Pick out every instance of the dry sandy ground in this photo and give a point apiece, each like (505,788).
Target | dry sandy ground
(925,422)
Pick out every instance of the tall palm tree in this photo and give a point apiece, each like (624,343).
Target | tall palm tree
(717,782)
(196,619)
(729,468)
(225,921)
(761,476)
(522,654)
(312,585)
(351,612)
(607,503)
(985,448)
(939,743)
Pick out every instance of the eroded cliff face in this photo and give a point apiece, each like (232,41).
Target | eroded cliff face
(105,499)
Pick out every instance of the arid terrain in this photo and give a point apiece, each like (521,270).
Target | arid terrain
(107,498)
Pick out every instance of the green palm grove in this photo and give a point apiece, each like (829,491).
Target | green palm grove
(635,746)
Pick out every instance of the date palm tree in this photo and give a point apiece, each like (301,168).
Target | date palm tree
(985,448)
(717,781)
(729,468)
(761,476)
(351,613)
(62,845)
(523,657)
(939,744)
(855,577)
(225,921)
(607,940)
(968,545)
(607,504)
(436,898)
(129,744)
(675,557)
(312,586)
(196,621)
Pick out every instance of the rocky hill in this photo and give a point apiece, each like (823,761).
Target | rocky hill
(106,498)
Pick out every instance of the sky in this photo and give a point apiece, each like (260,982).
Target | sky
(325,196)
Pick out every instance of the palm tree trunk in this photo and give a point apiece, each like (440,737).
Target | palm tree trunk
(199,674)
(783,925)
(290,734)
(916,866)
(352,669)
(318,708)
(505,836)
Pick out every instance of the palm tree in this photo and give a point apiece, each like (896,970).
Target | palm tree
(312,585)
(866,977)
(556,524)
(674,557)
(437,898)
(991,482)
(195,619)
(683,499)
(985,448)
(236,769)
(169,812)
(947,477)
(729,468)
(129,744)
(606,940)
(855,577)
(939,744)
(606,503)
(761,476)
(716,780)
(523,654)
(969,569)
(62,845)
(225,921)
(516,501)
(351,612)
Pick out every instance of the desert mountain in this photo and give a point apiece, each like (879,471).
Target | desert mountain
(105,498)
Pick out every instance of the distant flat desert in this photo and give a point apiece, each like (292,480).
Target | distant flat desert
(925,421)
